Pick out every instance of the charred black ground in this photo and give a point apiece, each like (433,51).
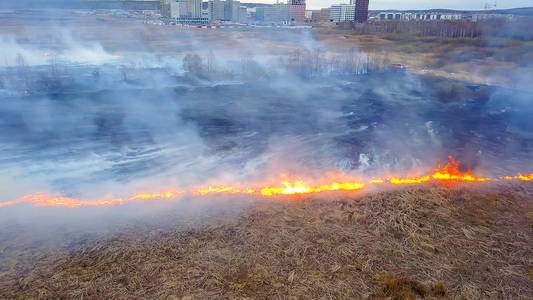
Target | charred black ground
(380,122)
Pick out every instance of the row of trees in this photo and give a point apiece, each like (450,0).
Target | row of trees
(318,62)
(26,79)
(444,29)
(518,29)
(300,61)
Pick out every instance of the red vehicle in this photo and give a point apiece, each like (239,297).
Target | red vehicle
(400,67)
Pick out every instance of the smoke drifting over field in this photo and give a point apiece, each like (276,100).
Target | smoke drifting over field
(84,121)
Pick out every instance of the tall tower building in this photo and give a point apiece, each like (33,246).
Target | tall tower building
(361,11)
(297,11)
(165,8)
(228,10)
(216,10)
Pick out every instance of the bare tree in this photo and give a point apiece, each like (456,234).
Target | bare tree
(210,62)
(23,71)
(192,63)
(317,61)
(124,73)
(443,29)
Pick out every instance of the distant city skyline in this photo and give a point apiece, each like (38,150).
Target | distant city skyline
(417,4)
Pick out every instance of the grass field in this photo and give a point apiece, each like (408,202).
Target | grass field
(493,61)
(430,242)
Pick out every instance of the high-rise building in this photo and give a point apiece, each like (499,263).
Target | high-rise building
(297,11)
(292,12)
(243,15)
(281,13)
(185,11)
(165,8)
(228,10)
(325,14)
(216,10)
(342,13)
(361,11)
(181,9)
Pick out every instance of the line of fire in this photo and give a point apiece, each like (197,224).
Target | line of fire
(449,174)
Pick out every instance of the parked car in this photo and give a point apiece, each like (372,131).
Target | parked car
(400,67)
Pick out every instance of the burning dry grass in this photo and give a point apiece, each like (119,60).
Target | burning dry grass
(429,242)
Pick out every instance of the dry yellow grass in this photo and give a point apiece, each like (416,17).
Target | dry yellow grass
(430,242)
(483,61)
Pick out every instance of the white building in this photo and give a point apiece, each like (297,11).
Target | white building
(277,13)
(242,16)
(342,13)
(181,9)
(228,10)
(492,17)
(308,14)
(419,16)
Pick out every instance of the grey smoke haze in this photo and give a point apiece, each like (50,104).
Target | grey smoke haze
(85,123)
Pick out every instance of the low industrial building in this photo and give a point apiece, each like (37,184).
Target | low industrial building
(418,16)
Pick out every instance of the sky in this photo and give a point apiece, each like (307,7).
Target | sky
(374,4)
(419,4)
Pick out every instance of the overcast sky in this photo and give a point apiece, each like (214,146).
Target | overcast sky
(418,4)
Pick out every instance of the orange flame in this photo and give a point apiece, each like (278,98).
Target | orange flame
(520,177)
(7,203)
(525,178)
(451,172)
(410,181)
(447,174)
(40,199)
(300,188)
(164,195)
(222,190)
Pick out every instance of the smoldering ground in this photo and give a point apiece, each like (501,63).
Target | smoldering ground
(237,110)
